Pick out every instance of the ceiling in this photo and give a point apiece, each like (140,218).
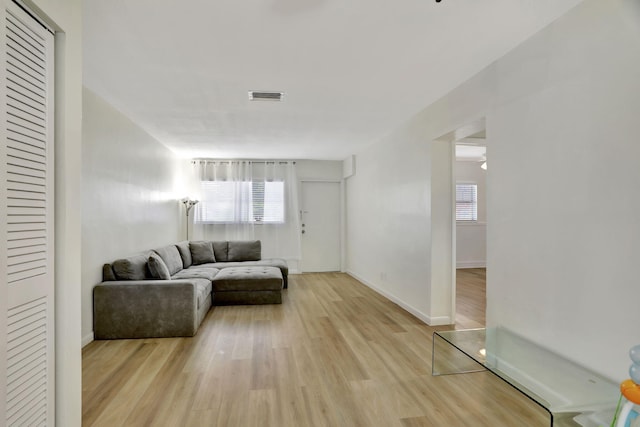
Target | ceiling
(351,71)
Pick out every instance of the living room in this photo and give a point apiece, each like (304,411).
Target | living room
(560,109)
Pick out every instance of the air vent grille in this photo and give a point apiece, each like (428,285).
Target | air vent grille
(256,95)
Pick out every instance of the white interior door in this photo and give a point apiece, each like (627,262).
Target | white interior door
(26,225)
(320,203)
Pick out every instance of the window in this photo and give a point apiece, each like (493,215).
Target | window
(466,202)
(268,201)
(232,202)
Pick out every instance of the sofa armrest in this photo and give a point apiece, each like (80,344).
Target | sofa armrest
(144,309)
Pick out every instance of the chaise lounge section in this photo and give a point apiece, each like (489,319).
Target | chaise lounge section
(248,285)
(167,292)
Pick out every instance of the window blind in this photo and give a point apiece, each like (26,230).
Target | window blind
(466,202)
(230,202)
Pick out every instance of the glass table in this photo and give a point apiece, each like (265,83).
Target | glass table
(565,390)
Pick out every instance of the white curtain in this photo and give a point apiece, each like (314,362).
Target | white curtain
(237,204)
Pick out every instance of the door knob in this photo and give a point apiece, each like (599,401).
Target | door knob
(302,231)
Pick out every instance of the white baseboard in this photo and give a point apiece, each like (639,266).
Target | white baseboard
(471,264)
(439,321)
(87,339)
(431,321)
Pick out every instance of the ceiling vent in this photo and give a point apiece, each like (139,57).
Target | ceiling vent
(255,95)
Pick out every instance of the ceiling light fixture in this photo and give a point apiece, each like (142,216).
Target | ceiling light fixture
(257,95)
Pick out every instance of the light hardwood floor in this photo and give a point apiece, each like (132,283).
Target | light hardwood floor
(334,353)
(471,298)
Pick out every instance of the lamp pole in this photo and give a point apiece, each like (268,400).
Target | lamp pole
(188,205)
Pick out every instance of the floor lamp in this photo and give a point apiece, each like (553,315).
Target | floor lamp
(188,205)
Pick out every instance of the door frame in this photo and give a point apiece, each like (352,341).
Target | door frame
(443,273)
(343,213)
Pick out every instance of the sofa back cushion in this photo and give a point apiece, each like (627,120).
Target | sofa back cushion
(132,268)
(201,252)
(158,267)
(220,250)
(244,250)
(107,273)
(185,253)
(171,258)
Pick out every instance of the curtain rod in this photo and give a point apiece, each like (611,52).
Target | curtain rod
(281,162)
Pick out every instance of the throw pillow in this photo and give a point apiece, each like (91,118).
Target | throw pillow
(220,250)
(171,258)
(185,253)
(132,268)
(158,268)
(201,252)
(245,250)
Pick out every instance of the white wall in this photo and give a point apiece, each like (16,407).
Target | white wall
(329,170)
(131,186)
(562,113)
(562,259)
(442,223)
(471,237)
(388,231)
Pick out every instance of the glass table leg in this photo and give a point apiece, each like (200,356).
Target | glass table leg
(447,359)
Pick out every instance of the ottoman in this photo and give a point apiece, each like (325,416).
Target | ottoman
(247,285)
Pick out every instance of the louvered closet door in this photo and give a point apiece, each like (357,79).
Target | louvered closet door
(26,228)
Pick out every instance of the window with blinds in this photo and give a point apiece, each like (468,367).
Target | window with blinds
(466,202)
(234,202)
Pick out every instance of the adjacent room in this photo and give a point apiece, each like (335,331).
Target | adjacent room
(306,213)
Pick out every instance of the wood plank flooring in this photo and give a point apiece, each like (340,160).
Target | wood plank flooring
(334,353)
(471,298)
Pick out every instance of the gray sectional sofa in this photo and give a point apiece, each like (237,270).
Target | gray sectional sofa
(167,292)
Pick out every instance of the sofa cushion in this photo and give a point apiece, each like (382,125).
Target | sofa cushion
(185,253)
(107,273)
(249,250)
(267,262)
(248,279)
(194,272)
(171,258)
(221,265)
(201,252)
(203,291)
(158,268)
(132,268)
(221,250)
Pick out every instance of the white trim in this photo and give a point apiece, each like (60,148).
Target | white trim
(431,321)
(343,226)
(87,339)
(35,13)
(336,181)
(471,223)
(471,264)
(454,233)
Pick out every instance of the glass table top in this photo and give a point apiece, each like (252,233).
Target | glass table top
(552,381)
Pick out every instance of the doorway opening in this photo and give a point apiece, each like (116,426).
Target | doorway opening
(470,173)
(458,215)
